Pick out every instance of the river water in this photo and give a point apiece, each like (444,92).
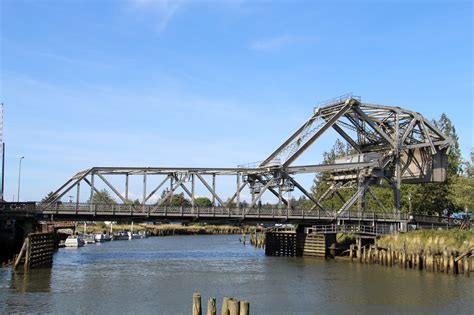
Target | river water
(159,275)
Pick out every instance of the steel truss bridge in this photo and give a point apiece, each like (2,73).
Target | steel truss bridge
(391,146)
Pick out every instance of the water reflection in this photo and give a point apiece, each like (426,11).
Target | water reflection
(31,281)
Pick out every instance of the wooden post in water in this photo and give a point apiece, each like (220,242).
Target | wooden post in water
(466,266)
(244,308)
(27,253)
(21,254)
(197,304)
(225,306)
(211,306)
(445,260)
(351,250)
(451,264)
(233,307)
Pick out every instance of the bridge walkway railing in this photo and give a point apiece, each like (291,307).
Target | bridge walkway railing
(354,229)
(233,212)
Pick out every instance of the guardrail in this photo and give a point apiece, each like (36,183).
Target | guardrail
(71,210)
(354,229)
(196,212)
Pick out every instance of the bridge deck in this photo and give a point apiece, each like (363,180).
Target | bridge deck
(123,212)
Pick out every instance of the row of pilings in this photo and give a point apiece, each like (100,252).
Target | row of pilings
(450,262)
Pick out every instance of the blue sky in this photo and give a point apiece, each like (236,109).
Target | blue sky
(197,83)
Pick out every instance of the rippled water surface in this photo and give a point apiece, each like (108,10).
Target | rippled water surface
(159,275)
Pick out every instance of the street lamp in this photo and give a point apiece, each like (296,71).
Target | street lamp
(19,178)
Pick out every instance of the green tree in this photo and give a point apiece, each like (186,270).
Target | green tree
(203,202)
(461,193)
(102,196)
(176,200)
(132,202)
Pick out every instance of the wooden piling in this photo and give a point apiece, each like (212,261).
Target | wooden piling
(452,269)
(21,254)
(233,307)
(244,308)
(466,266)
(211,306)
(197,304)
(225,306)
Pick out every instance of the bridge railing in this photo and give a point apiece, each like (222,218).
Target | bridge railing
(354,229)
(173,211)
(366,215)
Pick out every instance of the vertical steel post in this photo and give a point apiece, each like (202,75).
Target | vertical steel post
(398,175)
(92,192)
(126,187)
(144,190)
(193,186)
(238,190)
(279,197)
(78,191)
(213,188)
(171,187)
(397,183)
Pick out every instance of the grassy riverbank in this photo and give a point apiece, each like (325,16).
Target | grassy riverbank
(169,229)
(437,240)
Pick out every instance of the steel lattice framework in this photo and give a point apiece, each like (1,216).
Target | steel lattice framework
(390,143)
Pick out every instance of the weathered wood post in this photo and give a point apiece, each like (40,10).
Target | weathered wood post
(20,255)
(351,250)
(27,253)
(466,266)
(244,308)
(211,306)
(225,306)
(233,307)
(197,304)
(451,264)
(445,260)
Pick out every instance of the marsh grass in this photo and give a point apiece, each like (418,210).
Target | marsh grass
(436,240)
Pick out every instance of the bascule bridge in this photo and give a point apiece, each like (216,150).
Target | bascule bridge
(391,146)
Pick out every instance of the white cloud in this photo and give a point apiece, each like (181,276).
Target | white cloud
(268,44)
(163,9)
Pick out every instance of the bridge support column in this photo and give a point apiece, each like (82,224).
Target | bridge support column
(396,185)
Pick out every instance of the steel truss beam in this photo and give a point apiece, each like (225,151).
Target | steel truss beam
(403,140)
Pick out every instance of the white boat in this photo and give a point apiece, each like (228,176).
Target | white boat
(74,241)
(88,238)
(102,237)
(133,236)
